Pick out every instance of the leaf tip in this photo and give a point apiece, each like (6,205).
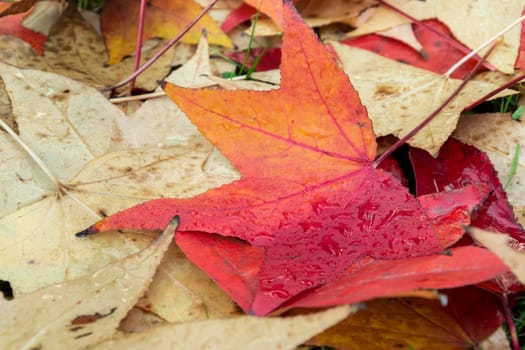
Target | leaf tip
(87,232)
(162,83)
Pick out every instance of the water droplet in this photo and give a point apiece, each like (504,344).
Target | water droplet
(310,226)
(263,238)
(278,293)
(330,246)
(307,283)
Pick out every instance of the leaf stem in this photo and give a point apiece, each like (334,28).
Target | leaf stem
(138,45)
(510,321)
(164,49)
(432,115)
(32,154)
(514,81)
(484,45)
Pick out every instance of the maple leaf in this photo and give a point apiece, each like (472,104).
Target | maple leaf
(310,195)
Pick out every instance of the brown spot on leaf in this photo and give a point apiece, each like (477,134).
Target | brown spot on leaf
(83,319)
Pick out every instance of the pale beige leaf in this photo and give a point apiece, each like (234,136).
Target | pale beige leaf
(498,243)
(76,50)
(75,132)
(497,135)
(405,34)
(398,96)
(181,292)
(496,341)
(471,21)
(245,332)
(83,311)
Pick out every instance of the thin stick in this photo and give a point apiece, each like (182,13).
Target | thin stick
(428,119)
(162,93)
(484,45)
(451,41)
(514,81)
(32,154)
(164,49)
(510,322)
(138,45)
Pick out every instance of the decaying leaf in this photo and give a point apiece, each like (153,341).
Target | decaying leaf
(76,50)
(408,323)
(83,311)
(245,332)
(75,132)
(398,97)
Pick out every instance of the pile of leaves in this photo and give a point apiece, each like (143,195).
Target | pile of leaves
(278,192)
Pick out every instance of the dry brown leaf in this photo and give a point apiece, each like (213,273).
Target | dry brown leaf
(245,332)
(76,50)
(74,131)
(498,243)
(497,135)
(398,96)
(83,311)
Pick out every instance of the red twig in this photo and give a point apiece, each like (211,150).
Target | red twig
(432,115)
(138,49)
(165,48)
(510,322)
(452,42)
(494,92)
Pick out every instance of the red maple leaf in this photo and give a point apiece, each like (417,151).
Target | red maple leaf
(311,201)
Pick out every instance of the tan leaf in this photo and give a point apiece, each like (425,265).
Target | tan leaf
(472,22)
(82,311)
(181,292)
(245,332)
(76,50)
(497,135)
(93,170)
(498,243)
(398,97)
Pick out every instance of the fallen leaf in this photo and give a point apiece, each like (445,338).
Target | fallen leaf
(245,332)
(165,19)
(76,50)
(13,8)
(455,14)
(458,165)
(498,135)
(496,341)
(306,200)
(418,323)
(441,54)
(500,244)
(399,97)
(75,133)
(83,311)
(390,278)
(181,292)
(12,25)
